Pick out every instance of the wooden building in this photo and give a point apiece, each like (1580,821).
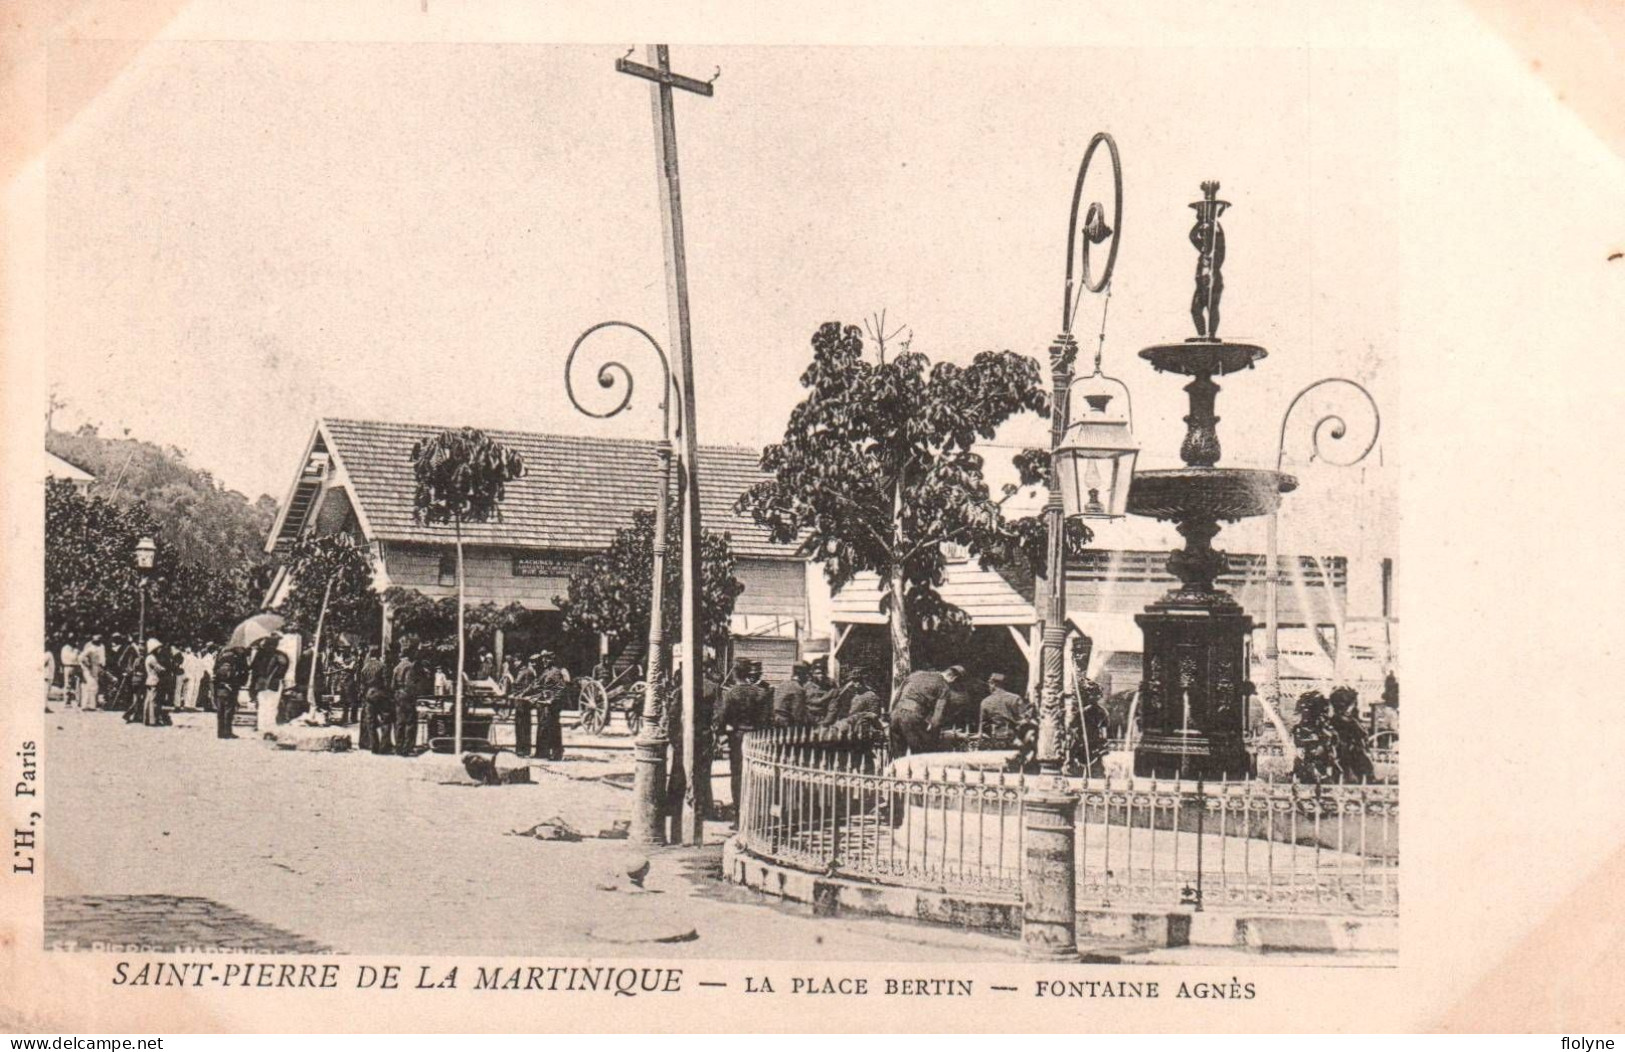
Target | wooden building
(1105,589)
(356,476)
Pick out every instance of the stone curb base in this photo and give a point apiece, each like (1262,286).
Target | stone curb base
(830,895)
(1274,933)
(1267,933)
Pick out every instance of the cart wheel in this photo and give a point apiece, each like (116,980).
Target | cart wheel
(594,705)
(634,720)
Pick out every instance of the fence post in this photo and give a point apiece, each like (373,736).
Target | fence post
(1049,878)
(1201,817)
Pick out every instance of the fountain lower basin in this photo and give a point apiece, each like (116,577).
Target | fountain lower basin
(1228,494)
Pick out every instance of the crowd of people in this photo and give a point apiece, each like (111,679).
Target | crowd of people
(142,679)
(929,711)
(382,693)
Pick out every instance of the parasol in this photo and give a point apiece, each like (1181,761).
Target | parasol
(255,628)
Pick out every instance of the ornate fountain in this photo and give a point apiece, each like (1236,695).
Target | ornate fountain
(1192,703)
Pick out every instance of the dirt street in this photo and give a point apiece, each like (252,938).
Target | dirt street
(379,854)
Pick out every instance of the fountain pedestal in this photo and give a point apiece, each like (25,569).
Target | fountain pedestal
(1191,700)
(1192,707)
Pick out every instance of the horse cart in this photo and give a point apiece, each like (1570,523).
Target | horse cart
(599,701)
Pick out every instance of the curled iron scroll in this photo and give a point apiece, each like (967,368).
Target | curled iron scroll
(1331,427)
(1093,225)
(614,373)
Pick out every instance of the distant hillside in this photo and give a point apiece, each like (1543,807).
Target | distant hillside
(206,523)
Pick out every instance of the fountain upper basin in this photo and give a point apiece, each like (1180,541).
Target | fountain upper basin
(1199,357)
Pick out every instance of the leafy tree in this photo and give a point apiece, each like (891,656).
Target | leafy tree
(331,589)
(432,620)
(877,471)
(609,593)
(92,585)
(462,476)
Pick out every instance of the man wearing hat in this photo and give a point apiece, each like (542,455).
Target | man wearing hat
(552,680)
(230,676)
(854,702)
(746,706)
(402,701)
(92,661)
(820,692)
(1002,712)
(373,683)
(524,703)
(790,700)
(918,709)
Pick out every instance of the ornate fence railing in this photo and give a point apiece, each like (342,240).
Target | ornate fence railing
(1277,846)
(830,803)
(833,804)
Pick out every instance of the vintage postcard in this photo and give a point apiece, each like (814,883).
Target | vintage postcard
(897,522)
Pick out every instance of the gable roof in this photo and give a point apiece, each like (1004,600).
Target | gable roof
(575,493)
(57,468)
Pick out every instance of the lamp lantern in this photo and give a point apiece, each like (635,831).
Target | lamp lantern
(145,553)
(1094,461)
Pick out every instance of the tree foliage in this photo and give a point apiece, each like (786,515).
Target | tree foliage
(877,471)
(434,621)
(609,593)
(334,567)
(462,476)
(92,585)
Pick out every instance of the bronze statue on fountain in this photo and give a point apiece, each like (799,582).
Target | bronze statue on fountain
(1191,705)
(1208,237)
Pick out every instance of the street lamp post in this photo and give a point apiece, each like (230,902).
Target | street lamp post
(1334,428)
(1080,448)
(1091,460)
(146,554)
(649,778)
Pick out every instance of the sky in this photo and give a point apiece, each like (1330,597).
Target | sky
(245,236)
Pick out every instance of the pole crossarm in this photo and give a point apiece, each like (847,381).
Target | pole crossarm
(664,77)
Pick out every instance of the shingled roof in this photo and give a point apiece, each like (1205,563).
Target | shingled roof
(576,492)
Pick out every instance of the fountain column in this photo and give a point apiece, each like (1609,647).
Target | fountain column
(1192,707)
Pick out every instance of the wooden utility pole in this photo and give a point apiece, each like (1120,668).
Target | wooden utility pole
(663,80)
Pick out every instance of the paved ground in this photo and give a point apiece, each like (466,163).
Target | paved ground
(160,924)
(171,835)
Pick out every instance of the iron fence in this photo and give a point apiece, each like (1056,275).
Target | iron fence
(822,801)
(1278,846)
(830,803)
